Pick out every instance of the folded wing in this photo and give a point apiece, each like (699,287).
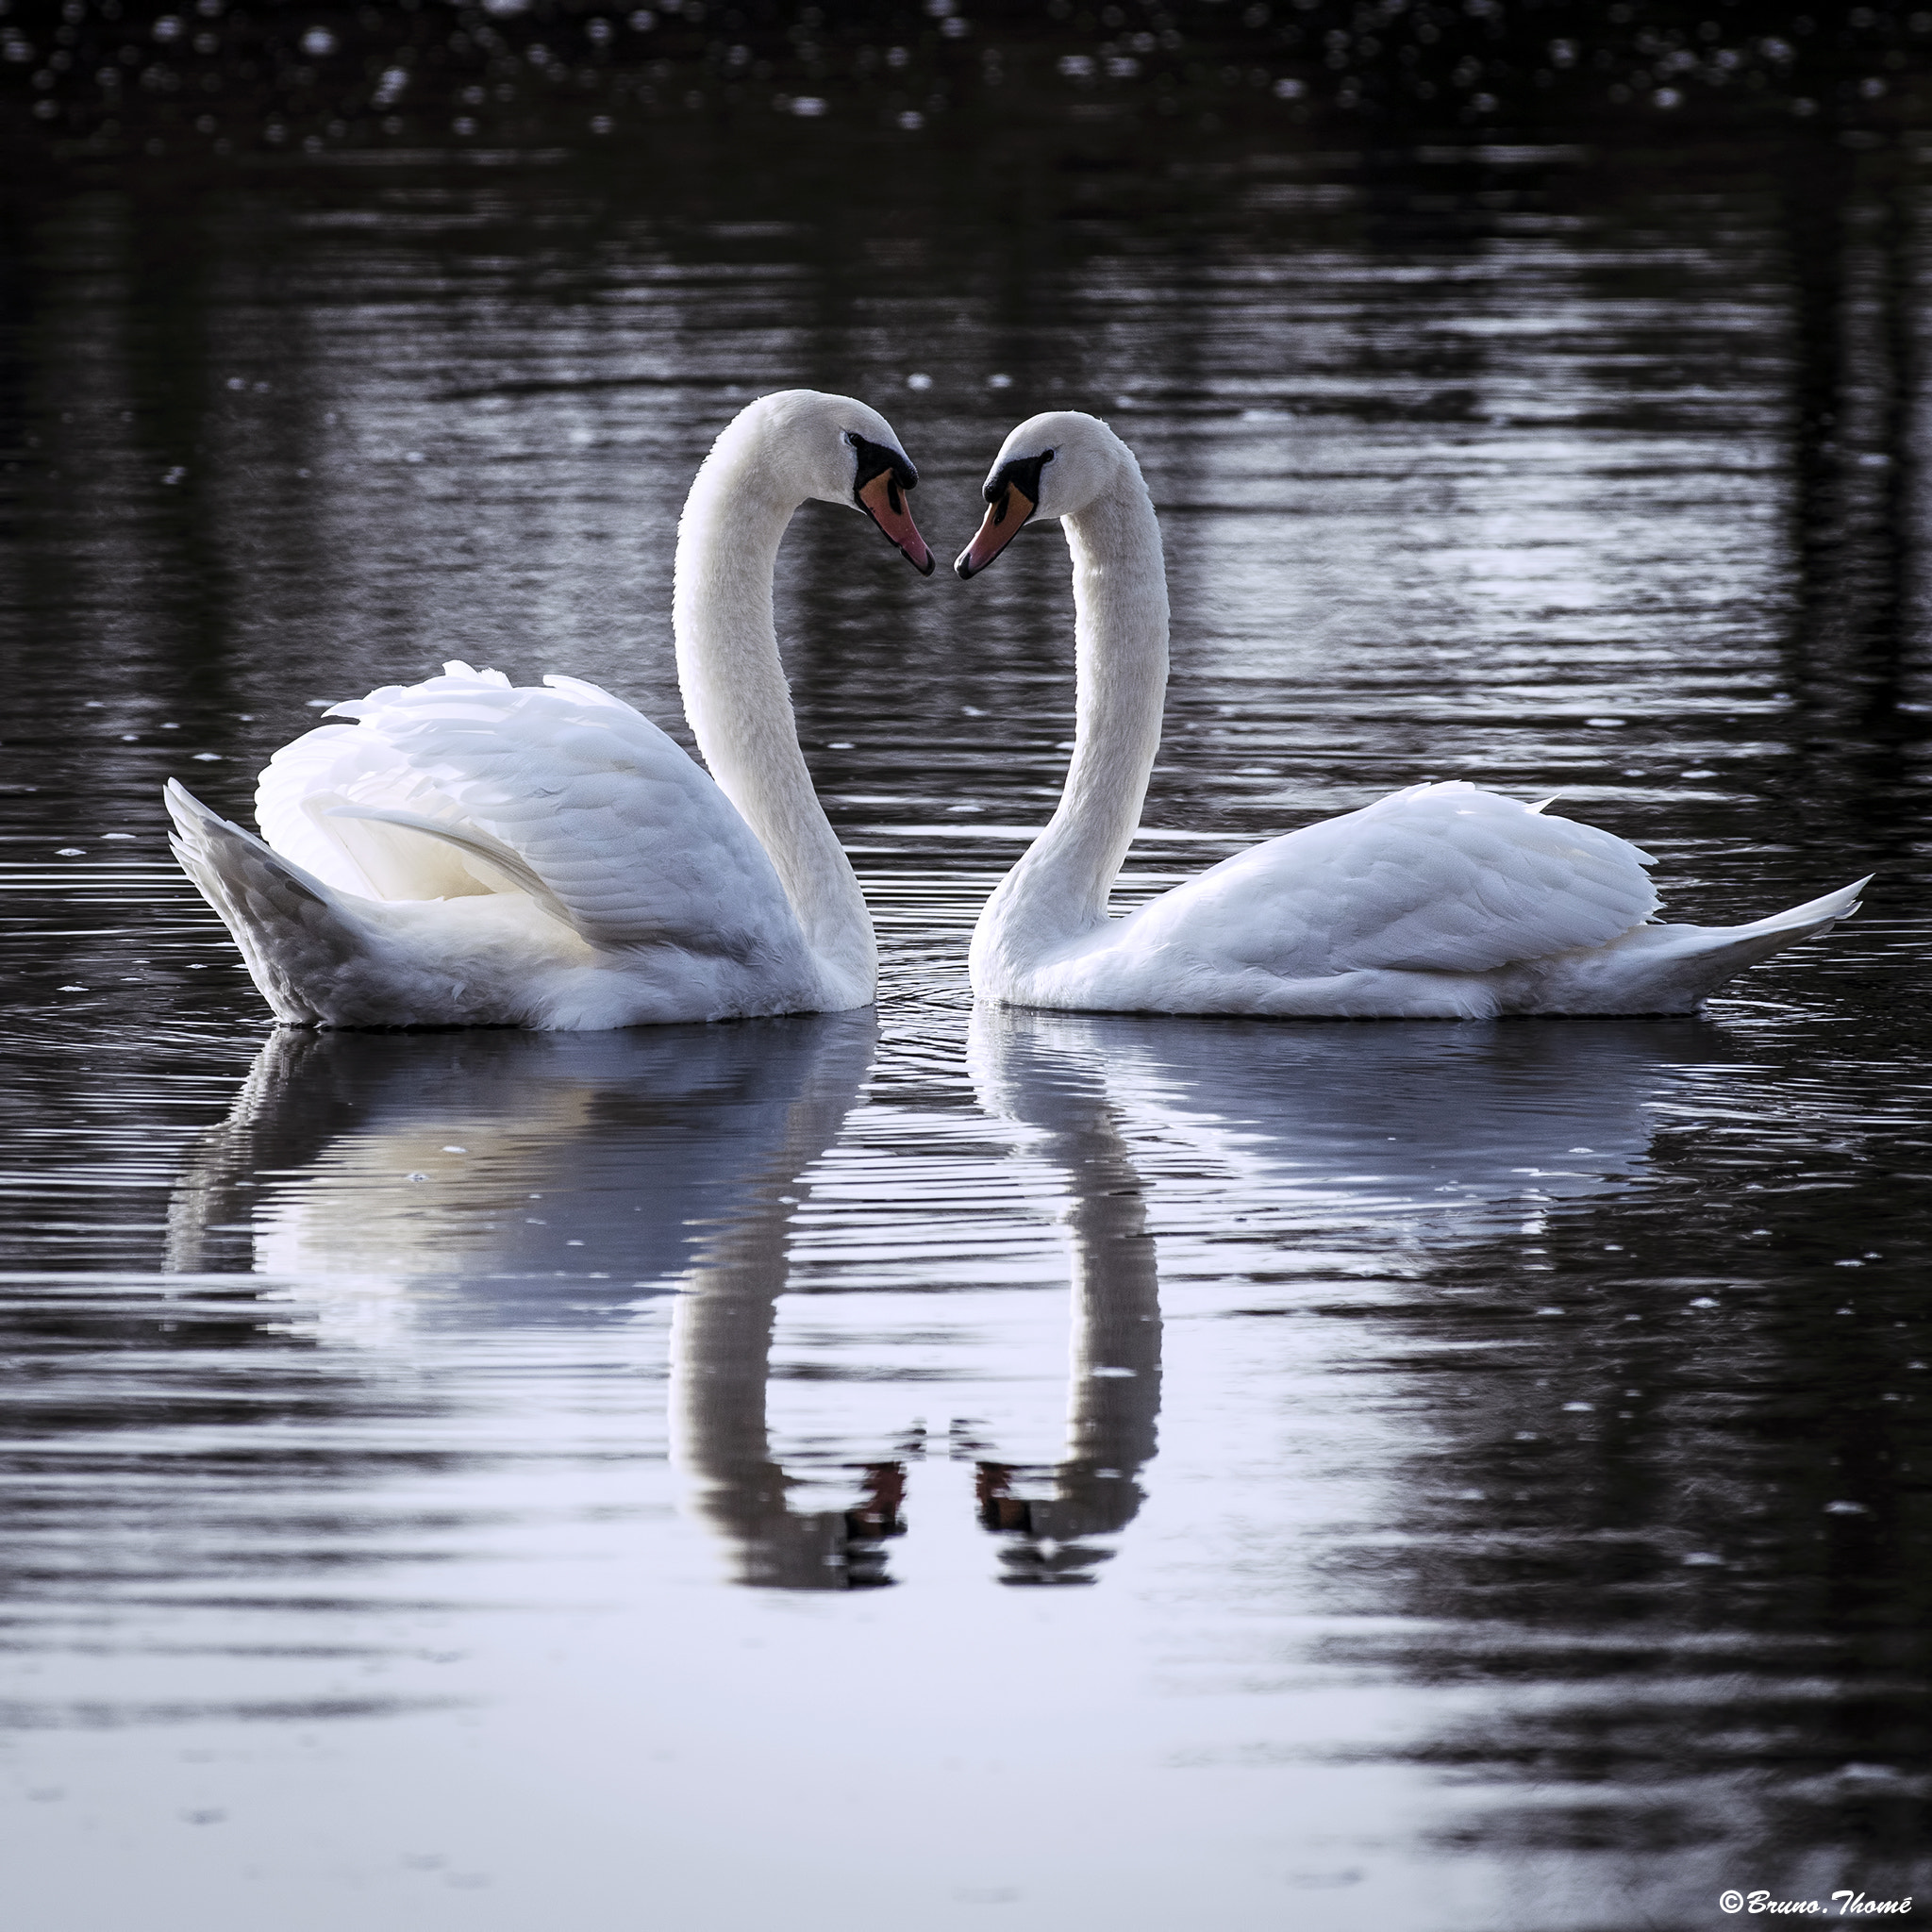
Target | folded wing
(1444,878)
(466,784)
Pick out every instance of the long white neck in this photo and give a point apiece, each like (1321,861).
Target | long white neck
(1059,889)
(740,705)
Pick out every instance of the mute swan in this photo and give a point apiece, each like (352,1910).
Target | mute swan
(1438,902)
(476,854)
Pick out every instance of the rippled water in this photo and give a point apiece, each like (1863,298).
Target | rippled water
(497,1479)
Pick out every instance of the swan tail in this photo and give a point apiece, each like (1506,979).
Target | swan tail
(1807,921)
(1722,951)
(1670,968)
(292,931)
(1716,953)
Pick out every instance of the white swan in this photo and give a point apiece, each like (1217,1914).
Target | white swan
(1439,901)
(475,854)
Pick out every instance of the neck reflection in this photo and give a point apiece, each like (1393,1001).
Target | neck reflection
(400,1181)
(1057,1087)
(1050,1518)
(721,1368)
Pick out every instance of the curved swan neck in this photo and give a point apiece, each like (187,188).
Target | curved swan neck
(738,702)
(1059,889)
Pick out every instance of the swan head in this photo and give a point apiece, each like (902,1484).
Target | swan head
(1053,465)
(834,449)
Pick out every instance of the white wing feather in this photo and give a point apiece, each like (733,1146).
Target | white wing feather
(633,842)
(304,782)
(473,843)
(1444,878)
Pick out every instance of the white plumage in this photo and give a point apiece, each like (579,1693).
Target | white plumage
(1439,901)
(472,853)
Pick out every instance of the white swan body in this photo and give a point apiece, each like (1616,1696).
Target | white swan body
(1439,901)
(470,853)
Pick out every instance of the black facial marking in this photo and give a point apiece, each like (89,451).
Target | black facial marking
(876,458)
(1021,473)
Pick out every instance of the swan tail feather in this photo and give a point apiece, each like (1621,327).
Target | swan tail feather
(292,931)
(1717,953)
(1814,916)
(1671,969)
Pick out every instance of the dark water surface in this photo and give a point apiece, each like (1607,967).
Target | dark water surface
(944,1468)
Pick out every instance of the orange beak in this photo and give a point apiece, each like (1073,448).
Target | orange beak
(884,502)
(1005,516)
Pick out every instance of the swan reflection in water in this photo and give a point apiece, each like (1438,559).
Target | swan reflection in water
(1027,1073)
(402,1179)
(510,1174)
(1394,1139)
(1393,1134)
(1397,1133)
(524,1177)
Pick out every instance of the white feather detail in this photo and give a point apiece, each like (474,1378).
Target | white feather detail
(1444,878)
(635,843)
(480,845)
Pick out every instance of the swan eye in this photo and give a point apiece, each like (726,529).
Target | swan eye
(1021,473)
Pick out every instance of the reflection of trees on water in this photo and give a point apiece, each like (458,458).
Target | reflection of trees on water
(1854,252)
(230,343)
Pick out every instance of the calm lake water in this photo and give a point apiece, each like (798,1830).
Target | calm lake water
(944,1468)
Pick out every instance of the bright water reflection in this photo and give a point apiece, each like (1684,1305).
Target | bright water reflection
(684,1158)
(498,1171)
(1495,1455)
(414,1461)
